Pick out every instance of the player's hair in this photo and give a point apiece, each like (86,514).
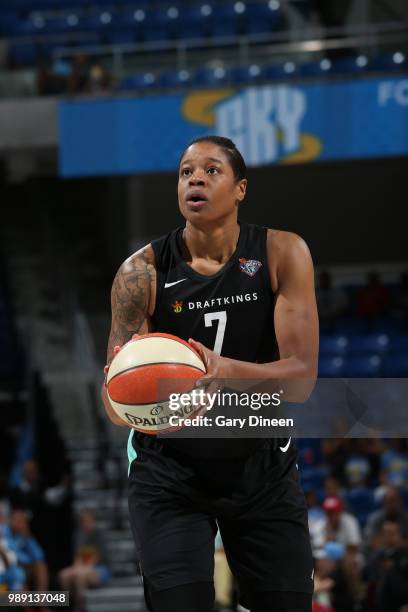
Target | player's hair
(228,147)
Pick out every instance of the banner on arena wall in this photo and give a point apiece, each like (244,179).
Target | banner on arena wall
(270,124)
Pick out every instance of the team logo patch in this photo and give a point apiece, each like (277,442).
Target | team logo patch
(177,306)
(249,266)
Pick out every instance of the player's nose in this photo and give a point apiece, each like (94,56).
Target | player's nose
(197,179)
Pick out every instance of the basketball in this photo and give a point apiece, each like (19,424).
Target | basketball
(143,375)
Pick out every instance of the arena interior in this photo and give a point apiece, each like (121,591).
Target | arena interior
(98,99)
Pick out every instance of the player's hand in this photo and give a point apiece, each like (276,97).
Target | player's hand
(214,366)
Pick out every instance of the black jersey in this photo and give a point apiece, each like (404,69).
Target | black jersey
(230,312)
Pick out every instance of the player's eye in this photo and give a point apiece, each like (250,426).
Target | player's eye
(185,172)
(212,170)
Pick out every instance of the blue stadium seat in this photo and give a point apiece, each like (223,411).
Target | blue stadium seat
(175,78)
(363,366)
(145,80)
(361,502)
(262,17)
(398,344)
(246,74)
(396,365)
(369,343)
(333,345)
(313,477)
(281,71)
(395,61)
(317,68)
(196,19)
(210,76)
(331,367)
(350,64)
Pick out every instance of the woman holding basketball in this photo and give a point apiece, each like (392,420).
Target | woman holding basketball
(245,301)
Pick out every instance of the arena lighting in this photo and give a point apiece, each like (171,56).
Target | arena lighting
(254,70)
(72,20)
(239,8)
(398,58)
(139,15)
(172,12)
(361,61)
(289,67)
(149,78)
(105,17)
(274,5)
(206,10)
(325,64)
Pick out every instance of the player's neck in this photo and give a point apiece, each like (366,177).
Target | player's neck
(216,243)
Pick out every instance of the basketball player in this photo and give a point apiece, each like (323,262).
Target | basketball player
(178,489)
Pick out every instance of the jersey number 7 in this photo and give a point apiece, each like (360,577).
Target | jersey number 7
(221,317)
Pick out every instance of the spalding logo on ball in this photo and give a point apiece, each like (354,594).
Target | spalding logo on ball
(144,373)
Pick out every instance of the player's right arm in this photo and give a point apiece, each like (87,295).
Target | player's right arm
(132,300)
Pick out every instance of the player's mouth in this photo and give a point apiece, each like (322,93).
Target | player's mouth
(195,199)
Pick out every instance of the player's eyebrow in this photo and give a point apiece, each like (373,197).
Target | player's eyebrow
(213,159)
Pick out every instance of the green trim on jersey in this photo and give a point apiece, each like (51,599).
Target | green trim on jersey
(131,453)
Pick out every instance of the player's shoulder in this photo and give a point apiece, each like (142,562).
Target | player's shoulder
(142,260)
(281,244)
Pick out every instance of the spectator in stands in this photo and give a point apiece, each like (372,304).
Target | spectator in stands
(332,487)
(29,494)
(340,526)
(357,470)
(99,79)
(394,464)
(331,588)
(392,510)
(336,452)
(316,519)
(373,300)
(382,559)
(90,568)
(79,77)
(54,80)
(394,591)
(12,577)
(29,553)
(331,302)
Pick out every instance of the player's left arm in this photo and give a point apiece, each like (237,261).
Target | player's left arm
(295,319)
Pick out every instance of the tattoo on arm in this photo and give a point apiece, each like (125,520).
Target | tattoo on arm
(130,299)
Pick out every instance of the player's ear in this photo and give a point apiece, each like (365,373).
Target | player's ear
(241,189)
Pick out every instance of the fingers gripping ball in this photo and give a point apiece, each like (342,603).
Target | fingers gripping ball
(143,375)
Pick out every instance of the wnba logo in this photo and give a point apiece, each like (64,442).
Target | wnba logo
(177,306)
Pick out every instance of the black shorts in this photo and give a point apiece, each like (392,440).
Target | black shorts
(176,503)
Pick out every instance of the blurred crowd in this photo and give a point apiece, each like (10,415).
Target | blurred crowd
(357,497)
(358,521)
(78,75)
(368,302)
(40,549)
